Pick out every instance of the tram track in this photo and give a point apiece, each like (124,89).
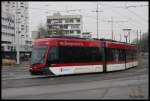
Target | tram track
(26,82)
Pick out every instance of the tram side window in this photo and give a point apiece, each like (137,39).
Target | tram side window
(79,54)
(109,54)
(115,54)
(129,54)
(112,54)
(95,54)
(121,54)
(53,55)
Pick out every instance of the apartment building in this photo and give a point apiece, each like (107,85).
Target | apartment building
(68,25)
(7,32)
(15,21)
(8,28)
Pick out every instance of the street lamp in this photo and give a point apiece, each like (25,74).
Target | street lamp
(22,36)
(17,33)
(128,30)
(126,36)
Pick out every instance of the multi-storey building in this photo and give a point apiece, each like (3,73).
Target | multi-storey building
(15,26)
(86,35)
(8,31)
(8,27)
(70,25)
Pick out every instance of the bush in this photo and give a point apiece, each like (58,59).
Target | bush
(8,62)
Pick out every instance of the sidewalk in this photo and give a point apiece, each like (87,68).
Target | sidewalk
(17,70)
(23,66)
(24,63)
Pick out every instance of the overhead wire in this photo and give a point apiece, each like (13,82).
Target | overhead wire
(110,6)
(134,21)
(137,15)
(126,7)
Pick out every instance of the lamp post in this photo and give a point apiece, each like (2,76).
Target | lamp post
(97,22)
(128,30)
(22,36)
(126,36)
(17,27)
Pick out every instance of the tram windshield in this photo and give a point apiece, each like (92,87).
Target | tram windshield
(38,54)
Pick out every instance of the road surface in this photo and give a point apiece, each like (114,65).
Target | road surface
(128,84)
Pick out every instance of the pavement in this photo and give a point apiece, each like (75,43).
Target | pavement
(16,71)
(22,64)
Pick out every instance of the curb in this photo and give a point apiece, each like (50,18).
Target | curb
(23,77)
(15,66)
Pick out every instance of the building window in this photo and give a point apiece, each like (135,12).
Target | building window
(48,21)
(11,48)
(71,31)
(71,20)
(78,31)
(8,47)
(67,20)
(60,21)
(2,48)
(22,28)
(75,26)
(66,26)
(18,12)
(78,20)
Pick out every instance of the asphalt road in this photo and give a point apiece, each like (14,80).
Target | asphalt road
(128,84)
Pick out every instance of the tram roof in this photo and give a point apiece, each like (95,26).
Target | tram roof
(94,41)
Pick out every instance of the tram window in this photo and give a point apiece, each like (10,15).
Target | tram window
(115,54)
(65,54)
(112,54)
(121,54)
(53,55)
(80,54)
(109,54)
(129,54)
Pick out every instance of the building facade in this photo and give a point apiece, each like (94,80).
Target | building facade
(68,25)
(15,16)
(8,31)
(87,35)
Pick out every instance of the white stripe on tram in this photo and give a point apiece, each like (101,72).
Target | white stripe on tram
(115,67)
(76,69)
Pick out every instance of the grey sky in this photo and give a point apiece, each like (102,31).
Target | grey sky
(136,17)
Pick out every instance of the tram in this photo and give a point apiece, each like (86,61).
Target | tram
(64,55)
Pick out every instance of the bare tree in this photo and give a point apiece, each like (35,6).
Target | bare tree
(143,43)
(42,31)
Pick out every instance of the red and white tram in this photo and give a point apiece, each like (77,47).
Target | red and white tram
(61,56)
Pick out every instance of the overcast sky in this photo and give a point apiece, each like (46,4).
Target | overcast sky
(134,17)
